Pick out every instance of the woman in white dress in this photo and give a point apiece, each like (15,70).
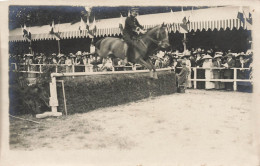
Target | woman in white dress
(207,64)
(185,57)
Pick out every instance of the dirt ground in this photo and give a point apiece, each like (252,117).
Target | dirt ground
(203,127)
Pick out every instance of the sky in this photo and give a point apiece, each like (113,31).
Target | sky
(43,15)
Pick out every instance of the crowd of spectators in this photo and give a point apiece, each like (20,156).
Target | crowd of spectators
(209,65)
(83,61)
(205,61)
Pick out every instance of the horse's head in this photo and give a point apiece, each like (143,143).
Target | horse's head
(162,36)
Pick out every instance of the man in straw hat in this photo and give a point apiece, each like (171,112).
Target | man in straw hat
(228,73)
(131,29)
(217,73)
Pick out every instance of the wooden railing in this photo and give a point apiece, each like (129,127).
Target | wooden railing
(37,68)
(234,79)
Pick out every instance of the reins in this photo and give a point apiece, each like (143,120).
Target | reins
(151,39)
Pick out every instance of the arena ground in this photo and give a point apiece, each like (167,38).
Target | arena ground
(196,128)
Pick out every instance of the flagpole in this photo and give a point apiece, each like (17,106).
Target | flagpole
(31,46)
(59,46)
(184,41)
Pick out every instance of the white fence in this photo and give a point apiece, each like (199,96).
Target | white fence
(234,79)
(61,68)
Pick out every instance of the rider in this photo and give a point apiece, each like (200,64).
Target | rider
(130,31)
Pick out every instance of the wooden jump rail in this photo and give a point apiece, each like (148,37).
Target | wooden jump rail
(53,87)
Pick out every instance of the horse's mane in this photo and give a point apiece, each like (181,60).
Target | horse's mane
(151,30)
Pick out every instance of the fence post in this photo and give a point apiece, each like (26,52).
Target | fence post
(235,79)
(53,95)
(73,68)
(15,67)
(134,67)
(195,78)
(56,69)
(28,68)
(40,68)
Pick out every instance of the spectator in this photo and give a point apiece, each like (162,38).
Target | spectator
(107,64)
(88,66)
(54,59)
(50,60)
(217,73)
(62,59)
(228,72)
(44,59)
(78,61)
(182,76)
(68,63)
(157,63)
(242,73)
(200,72)
(185,57)
(207,64)
(174,63)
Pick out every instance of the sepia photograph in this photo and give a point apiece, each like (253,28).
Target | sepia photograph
(131,84)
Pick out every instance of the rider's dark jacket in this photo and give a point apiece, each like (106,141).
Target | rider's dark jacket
(131,23)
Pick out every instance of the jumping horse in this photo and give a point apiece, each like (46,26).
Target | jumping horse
(153,40)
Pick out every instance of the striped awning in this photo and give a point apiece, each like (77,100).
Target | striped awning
(203,19)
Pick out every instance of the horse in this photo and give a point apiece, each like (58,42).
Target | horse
(153,40)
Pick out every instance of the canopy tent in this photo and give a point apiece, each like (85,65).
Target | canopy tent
(202,19)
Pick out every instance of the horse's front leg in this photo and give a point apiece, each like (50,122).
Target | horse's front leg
(148,65)
(153,68)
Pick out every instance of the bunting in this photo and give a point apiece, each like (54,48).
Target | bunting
(240,14)
(247,21)
(184,24)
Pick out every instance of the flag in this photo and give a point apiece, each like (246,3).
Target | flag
(82,25)
(52,31)
(249,19)
(29,33)
(26,33)
(184,24)
(121,22)
(240,14)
